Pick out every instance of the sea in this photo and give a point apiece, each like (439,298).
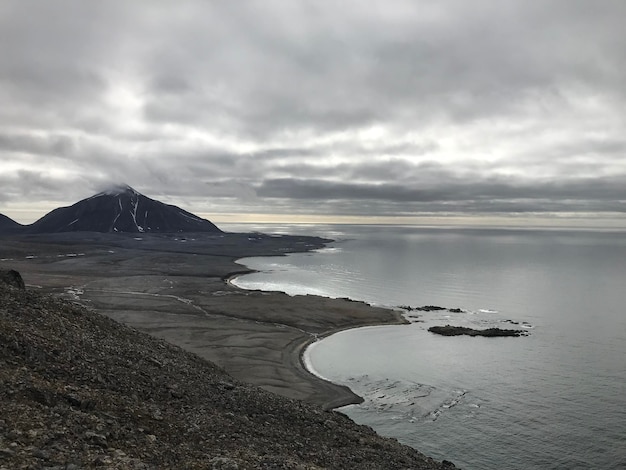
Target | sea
(554,398)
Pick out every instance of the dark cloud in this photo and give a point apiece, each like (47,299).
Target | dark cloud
(400,107)
(490,195)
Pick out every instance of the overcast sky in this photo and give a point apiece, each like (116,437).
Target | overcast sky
(377,108)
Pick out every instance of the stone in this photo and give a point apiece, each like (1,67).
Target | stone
(41,454)
(12,278)
(96,439)
(223,463)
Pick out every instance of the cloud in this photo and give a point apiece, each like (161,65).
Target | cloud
(403,106)
(481,196)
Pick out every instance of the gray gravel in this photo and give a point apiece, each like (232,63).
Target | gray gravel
(79,390)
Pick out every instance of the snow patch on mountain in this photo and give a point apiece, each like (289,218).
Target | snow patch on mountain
(192,217)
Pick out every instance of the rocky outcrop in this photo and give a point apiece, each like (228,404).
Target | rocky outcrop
(80,390)
(12,278)
(449,330)
(429,308)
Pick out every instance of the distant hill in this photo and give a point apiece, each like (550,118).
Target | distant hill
(8,225)
(119,209)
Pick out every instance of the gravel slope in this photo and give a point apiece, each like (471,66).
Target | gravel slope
(79,390)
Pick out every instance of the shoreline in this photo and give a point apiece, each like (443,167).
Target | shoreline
(181,292)
(297,349)
(350,398)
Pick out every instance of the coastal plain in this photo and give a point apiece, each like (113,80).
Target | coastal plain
(175,287)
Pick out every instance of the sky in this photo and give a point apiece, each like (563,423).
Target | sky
(319,110)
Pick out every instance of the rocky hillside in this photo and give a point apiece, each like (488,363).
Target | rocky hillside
(78,390)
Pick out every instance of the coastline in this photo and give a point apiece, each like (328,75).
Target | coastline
(296,350)
(349,398)
(181,292)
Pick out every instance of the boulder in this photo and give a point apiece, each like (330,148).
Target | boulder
(12,278)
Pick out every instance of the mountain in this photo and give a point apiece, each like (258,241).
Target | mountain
(120,209)
(8,225)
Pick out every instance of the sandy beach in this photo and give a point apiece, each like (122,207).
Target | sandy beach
(176,288)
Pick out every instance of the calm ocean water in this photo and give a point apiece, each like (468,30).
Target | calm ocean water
(555,399)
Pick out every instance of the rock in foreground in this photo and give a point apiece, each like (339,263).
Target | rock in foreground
(12,278)
(79,390)
(450,330)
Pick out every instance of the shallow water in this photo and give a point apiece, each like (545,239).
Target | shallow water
(552,399)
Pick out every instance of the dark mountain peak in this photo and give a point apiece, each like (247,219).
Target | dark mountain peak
(120,208)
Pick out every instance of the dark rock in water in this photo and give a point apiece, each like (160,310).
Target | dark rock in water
(450,330)
(430,308)
(12,278)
